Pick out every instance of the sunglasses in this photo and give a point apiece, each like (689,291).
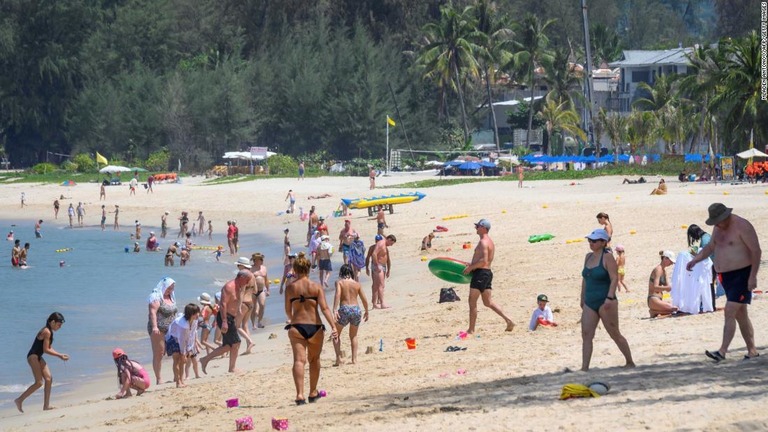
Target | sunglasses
(594,241)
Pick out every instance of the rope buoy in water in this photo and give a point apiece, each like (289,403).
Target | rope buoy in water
(63,250)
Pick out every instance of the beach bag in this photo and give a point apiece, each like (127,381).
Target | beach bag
(448,295)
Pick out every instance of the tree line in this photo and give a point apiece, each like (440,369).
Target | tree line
(132,78)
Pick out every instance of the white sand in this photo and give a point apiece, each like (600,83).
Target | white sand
(512,380)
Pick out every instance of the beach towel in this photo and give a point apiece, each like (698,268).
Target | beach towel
(577,391)
(356,254)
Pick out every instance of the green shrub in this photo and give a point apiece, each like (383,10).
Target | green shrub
(69,166)
(44,168)
(158,161)
(83,163)
(282,165)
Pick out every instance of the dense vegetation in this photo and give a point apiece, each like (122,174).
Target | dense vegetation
(190,80)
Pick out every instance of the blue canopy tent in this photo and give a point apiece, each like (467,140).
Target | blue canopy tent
(469,166)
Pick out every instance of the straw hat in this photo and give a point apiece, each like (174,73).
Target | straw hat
(243,261)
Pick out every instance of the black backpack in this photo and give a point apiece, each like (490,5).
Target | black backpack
(448,295)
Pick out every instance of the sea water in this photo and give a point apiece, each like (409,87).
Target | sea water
(102,290)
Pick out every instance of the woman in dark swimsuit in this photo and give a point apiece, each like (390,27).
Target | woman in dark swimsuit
(42,345)
(306,330)
(600,277)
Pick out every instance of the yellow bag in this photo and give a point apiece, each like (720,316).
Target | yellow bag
(577,391)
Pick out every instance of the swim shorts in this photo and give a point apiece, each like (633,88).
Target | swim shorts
(381,225)
(481,279)
(172,346)
(735,283)
(345,248)
(325,264)
(349,315)
(231,337)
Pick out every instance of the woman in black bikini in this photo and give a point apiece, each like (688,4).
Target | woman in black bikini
(306,330)
(42,345)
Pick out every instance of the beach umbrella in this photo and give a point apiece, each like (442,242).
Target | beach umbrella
(68,183)
(469,166)
(114,169)
(487,164)
(751,153)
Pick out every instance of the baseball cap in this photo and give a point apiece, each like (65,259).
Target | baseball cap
(669,254)
(485,223)
(542,297)
(599,234)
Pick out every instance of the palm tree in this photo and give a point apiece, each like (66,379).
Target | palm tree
(738,100)
(641,130)
(560,116)
(697,89)
(563,81)
(662,93)
(495,50)
(449,54)
(671,126)
(615,125)
(605,44)
(532,44)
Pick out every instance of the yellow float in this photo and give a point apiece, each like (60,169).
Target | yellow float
(455,217)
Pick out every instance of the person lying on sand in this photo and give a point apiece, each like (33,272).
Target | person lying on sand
(628,181)
(325,195)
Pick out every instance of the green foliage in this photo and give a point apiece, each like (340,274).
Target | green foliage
(84,163)
(282,165)
(44,168)
(517,118)
(69,166)
(158,161)
(128,78)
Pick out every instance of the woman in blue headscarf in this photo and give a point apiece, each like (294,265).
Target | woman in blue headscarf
(162,311)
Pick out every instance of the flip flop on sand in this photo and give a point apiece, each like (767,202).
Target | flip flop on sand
(455,348)
(749,357)
(715,355)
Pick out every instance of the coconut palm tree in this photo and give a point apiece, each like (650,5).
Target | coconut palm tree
(449,54)
(697,89)
(739,99)
(615,125)
(605,44)
(642,129)
(532,52)
(495,49)
(563,80)
(662,93)
(559,116)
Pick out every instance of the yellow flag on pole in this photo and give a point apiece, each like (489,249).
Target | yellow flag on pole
(101,159)
(390,121)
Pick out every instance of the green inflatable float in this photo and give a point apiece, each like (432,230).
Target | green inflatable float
(540,238)
(450,270)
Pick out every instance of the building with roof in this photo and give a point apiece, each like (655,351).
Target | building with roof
(638,66)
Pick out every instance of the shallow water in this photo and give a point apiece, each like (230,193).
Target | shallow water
(101,290)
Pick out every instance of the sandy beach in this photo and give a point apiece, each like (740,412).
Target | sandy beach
(502,381)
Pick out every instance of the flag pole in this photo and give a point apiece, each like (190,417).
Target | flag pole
(387,155)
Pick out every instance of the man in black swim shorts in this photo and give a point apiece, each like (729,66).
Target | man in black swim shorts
(231,297)
(482,276)
(737,256)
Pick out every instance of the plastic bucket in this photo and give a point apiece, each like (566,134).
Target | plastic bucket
(233,403)
(410,343)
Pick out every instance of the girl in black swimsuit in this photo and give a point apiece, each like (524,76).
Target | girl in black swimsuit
(306,330)
(40,371)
